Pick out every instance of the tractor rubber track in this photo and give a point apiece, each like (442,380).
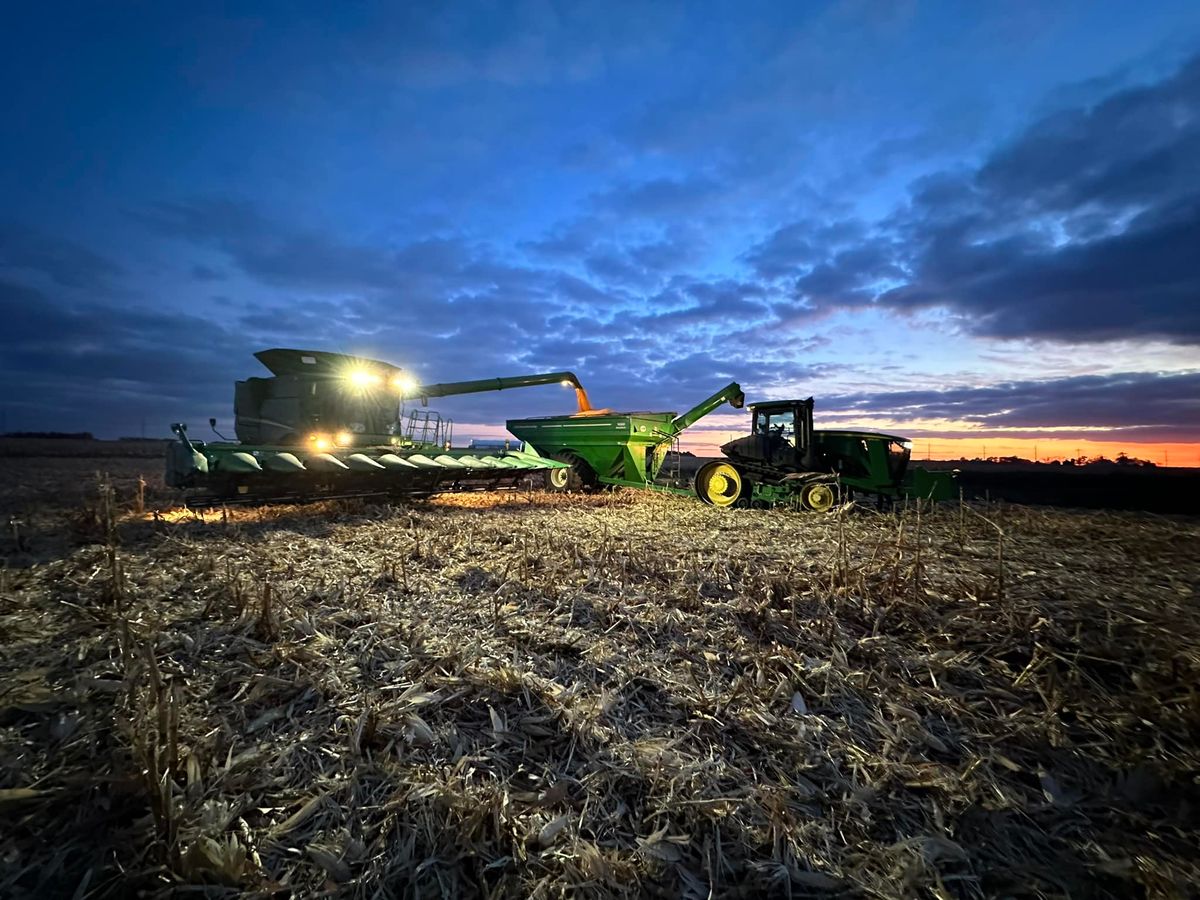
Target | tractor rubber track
(765,474)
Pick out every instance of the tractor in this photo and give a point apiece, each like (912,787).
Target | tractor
(785,459)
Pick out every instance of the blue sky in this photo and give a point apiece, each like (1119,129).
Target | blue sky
(875,203)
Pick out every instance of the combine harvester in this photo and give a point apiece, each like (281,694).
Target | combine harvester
(328,425)
(784,460)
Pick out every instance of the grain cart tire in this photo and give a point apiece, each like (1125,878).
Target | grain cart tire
(719,484)
(819,496)
(580,477)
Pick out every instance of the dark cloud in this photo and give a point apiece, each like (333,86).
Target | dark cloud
(1136,147)
(281,255)
(643,265)
(1144,282)
(662,197)
(715,371)
(106,368)
(202,272)
(799,246)
(728,304)
(64,262)
(1151,406)
(1082,228)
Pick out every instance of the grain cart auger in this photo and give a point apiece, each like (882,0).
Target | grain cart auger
(783,460)
(331,425)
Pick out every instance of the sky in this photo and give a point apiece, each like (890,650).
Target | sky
(977,225)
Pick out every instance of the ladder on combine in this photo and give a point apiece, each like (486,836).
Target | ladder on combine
(428,427)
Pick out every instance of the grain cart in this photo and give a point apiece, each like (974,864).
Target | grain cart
(783,460)
(331,425)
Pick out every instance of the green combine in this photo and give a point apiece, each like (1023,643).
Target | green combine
(784,460)
(330,425)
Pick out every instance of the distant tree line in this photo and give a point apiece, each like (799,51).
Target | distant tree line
(52,435)
(1123,460)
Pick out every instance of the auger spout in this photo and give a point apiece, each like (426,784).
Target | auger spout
(731,393)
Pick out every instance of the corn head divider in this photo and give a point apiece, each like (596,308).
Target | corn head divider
(331,425)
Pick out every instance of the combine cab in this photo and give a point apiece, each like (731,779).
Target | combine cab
(330,425)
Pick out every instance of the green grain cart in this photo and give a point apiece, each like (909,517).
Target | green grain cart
(784,460)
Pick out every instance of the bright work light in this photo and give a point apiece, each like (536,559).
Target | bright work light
(404,384)
(361,378)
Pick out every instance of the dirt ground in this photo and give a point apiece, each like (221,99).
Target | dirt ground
(611,694)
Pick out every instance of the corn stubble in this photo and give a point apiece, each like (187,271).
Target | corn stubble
(618,694)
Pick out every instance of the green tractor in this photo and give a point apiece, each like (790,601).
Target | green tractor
(785,459)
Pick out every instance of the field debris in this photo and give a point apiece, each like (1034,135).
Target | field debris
(534,695)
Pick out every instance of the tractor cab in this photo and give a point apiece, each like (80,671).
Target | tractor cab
(781,436)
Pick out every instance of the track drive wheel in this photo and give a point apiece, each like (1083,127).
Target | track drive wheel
(719,483)
(580,477)
(819,496)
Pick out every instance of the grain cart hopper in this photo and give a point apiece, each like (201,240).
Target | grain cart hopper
(328,424)
(783,460)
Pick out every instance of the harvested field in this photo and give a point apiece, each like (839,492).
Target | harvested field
(614,694)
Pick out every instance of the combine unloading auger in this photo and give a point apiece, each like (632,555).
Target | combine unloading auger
(332,425)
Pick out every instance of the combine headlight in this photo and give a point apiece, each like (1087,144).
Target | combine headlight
(343,439)
(319,441)
(566,382)
(404,384)
(361,378)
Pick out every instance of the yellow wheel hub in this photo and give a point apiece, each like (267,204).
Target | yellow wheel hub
(558,477)
(819,497)
(720,484)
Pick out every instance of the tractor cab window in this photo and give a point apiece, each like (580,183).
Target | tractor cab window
(782,424)
(898,454)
